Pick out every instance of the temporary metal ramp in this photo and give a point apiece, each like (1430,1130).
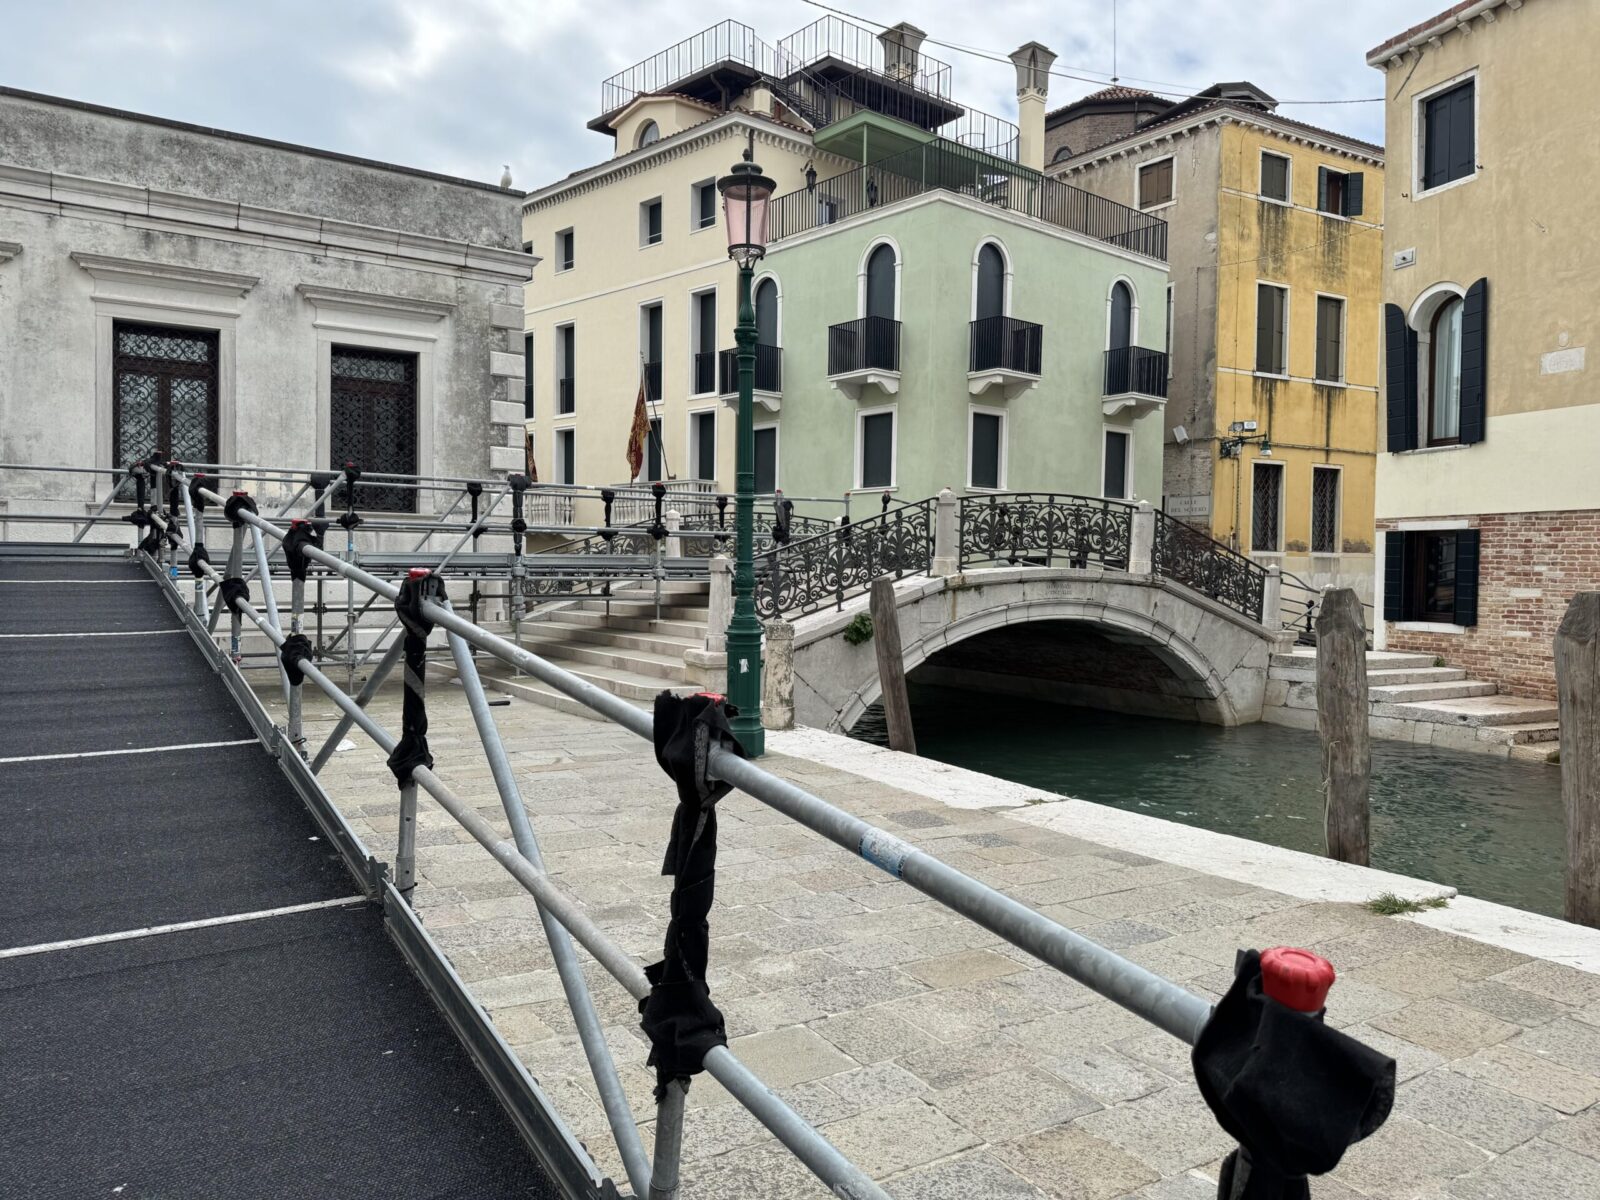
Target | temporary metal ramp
(197,998)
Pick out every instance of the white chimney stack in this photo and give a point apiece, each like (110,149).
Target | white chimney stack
(901,44)
(1033,62)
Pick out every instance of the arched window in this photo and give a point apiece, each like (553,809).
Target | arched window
(649,132)
(1444,375)
(990,300)
(881,282)
(766,304)
(1121,331)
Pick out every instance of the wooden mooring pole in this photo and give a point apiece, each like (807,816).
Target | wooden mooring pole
(1342,725)
(1578,693)
(891,666)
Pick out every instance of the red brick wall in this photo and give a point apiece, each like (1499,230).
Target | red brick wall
(1531,566)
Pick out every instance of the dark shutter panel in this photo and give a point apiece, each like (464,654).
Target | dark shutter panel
(1394,576)
(1322,189)
(1474,360)
(1264,297)
(1466,577)
(1354,193)
(1400,377)
(1463,152)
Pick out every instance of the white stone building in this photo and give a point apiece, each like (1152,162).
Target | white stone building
(217,297)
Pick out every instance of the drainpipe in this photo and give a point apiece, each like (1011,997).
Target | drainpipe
(1033,62)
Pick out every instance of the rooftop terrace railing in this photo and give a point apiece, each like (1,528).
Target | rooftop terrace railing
(943,166)
(831,37)
(726,41)
(826,102)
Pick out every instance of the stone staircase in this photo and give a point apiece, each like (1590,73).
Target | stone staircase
(1413,700)
(618,644)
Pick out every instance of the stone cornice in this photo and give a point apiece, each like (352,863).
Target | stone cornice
(1295,133)
(676,146)
(109,269)
(151,207)
(375,304)
(9,250)
(1431,34)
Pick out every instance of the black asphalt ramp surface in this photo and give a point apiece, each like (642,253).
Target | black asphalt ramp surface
(94,846)
(84,607)
(292,1057)
(96,568)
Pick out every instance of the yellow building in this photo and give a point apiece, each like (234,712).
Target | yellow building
(1275,248)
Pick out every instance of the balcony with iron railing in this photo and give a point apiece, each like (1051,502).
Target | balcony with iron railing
(864,352)
(769,374)
(706,62)
(1005,356)
(940,165)
(1135,378)
(652,381)
(867,116)
(705,373)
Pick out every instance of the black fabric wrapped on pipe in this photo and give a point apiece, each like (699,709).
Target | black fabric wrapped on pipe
(411,751)
(1294,1093)
(197,557)
(296,649)
(234,591)
(235,504)
(678,1015)
(301,534)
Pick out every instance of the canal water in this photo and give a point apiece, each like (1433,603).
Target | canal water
(1491,828)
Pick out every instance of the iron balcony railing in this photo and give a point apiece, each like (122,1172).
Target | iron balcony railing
(1185,555)
(867,343)
(705,372)
(943,166)
(830,567)
(566,395)
(1006,344)
(1044,529)
(830,38)
(652,381)
(827,102)
(769,370)
(1133,370)
(726,41)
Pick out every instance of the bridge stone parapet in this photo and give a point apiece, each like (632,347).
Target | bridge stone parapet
(1087,636)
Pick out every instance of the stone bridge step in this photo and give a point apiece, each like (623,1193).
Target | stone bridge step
(645,609)
(558,626)
(1409,693)
(1473,711)
(667,667)
(598,620)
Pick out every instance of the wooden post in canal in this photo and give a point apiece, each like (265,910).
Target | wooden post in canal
(1342,725)
(1578,692)
(891,666)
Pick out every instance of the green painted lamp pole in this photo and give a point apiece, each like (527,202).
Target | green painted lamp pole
(745,193)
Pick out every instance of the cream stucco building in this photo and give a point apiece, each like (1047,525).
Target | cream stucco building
(1488,492)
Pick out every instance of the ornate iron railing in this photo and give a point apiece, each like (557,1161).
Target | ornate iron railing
(1044,529)
(862,344)
(831,567)
(1135,370)
(1184,555)
(769,370)
(1005,343)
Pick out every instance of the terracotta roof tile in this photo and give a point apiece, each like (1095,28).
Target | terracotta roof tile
(1421,27)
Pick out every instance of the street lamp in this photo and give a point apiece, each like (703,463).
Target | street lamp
(745,194)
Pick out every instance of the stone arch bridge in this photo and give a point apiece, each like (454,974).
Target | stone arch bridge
(1069,599)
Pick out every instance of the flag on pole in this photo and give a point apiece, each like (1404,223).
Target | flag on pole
(529,468)
(638,433)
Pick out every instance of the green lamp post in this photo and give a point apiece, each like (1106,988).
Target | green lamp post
(745,195)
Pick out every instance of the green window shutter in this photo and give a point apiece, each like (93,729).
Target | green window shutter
(1466,602)
(1474,361)
(1400,379)
(1394,576)
(1354,193)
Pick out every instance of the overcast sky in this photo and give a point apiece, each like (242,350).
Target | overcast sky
(463,86)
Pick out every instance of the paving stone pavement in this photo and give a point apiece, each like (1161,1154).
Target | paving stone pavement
(947,1064)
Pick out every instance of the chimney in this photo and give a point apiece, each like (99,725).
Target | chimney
(1033,87)
(900,45)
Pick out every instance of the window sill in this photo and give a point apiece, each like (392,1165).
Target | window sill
(1270,375)
(1449,627)
(1443,187)
(1157,207)
(873,491)
(1322,212)
(702,228)
(651,245)
(1274,200)
(1338,383)
(1435,449)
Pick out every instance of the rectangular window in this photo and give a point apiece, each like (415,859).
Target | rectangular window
(1432,576)
(164,392)
(650,349)
(1330,339)
(1114,472)
(1449,136)
(985,465)
(703,204)
(566,248)
(1266,508)
(1339,192)
(1274,176)
(1434,579)
(1272,343)
(653,452)
(566,368)
(876,431)
(703,444)
(703,345)
(372,414)
(527,376)
(650,222)
(766,460)
(1325,510)
(1155,183)
(566,456)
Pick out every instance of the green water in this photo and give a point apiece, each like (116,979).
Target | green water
(1491,828)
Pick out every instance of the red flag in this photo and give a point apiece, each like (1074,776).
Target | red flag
(529,468)
(637,435)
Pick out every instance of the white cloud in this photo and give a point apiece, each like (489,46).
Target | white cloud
(462,86)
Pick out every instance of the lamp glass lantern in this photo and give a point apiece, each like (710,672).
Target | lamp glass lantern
(746,194)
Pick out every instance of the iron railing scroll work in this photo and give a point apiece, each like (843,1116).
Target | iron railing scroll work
(1184,555)
(1045,529)
(805,575)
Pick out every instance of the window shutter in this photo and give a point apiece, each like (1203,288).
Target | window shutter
(1264,297)
(1474,360)
(1400,378)
(1466,612)
(1322,189)
(1463,144)
(1394,576)
(1354,193)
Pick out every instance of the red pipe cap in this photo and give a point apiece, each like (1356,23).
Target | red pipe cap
(240,492)
(419,572)
(1297,979)
(712,695)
